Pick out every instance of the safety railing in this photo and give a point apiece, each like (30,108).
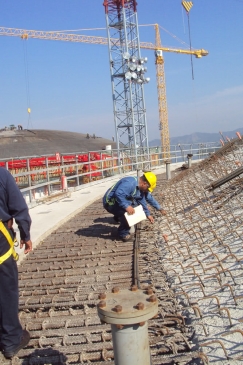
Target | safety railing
(41,176)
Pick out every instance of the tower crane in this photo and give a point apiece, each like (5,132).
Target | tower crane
(159,61)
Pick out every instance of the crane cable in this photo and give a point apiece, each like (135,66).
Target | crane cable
(27,81)
(190,45)
(187,5)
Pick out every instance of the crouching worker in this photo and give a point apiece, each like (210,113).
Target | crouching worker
(125,195)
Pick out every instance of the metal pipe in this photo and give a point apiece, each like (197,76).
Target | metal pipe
(48,176)
(131,345)
(76,169)
(128,311)
(189,157)
(217,183)
(168,174)
(29,180)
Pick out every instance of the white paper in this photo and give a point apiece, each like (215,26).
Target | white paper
(137,217)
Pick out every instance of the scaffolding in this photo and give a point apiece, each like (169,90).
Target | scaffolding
(127,69)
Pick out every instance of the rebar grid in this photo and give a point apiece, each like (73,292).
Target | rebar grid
(199,245)
(60,283)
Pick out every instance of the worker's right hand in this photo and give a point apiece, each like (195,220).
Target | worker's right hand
(130,210)
(27,244)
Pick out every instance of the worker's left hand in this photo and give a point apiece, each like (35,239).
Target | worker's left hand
(151,219)
(163,212)
(27,244)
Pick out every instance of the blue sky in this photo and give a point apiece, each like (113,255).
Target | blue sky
(69,83)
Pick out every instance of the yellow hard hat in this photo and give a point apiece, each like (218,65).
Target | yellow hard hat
(151,179)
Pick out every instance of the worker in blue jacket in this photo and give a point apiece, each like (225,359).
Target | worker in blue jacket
(125,195)
(151,201)
(12,206)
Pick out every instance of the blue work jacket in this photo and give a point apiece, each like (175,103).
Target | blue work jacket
(152,201)
(126,192)
(13,205)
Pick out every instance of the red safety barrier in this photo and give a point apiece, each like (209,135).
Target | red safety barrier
(67,159)
(64,182)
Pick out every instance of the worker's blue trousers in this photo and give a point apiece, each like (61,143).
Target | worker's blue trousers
(10,327)
(116,210)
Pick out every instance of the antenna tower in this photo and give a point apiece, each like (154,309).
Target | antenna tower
(127,69)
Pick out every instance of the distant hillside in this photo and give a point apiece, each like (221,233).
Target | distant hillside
(38,142)
(198,138)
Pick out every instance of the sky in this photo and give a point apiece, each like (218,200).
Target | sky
(67,85)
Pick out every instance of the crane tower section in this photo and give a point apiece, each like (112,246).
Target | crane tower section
(127,69)
(163,111)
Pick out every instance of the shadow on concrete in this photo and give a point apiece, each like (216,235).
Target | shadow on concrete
(45,356)
(98,230)
(107,220)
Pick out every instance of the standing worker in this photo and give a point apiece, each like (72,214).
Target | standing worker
(12,205)
(125,195)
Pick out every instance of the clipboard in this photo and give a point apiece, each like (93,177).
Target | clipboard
(137,217)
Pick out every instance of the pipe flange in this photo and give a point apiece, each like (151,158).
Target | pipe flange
(128,307)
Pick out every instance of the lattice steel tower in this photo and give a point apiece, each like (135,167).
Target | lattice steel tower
(127,69)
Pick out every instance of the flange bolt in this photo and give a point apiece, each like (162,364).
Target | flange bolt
(150,291)
(134,288)
(115,290)
(118,308)
(102,304)
(153,299)
(102,296)
(140,306)
(119,326)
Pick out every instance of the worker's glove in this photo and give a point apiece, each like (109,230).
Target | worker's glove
(163,212)
(151,219)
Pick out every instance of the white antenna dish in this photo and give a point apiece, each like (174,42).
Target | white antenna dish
(128,75)
(132,66)
(133,59)
(126,56)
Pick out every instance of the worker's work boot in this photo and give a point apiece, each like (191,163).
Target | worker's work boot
(126,238)
(23,342)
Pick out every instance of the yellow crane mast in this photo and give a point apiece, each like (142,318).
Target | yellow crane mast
(159,60)
(161,90)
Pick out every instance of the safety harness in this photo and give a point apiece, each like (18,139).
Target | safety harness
(11,242)
(112,201)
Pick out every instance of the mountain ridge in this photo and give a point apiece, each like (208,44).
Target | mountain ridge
(198,137)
